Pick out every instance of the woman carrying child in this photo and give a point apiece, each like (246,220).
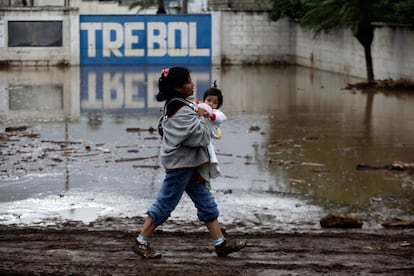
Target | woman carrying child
(186,135)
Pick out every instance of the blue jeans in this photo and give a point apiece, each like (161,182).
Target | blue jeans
(175,183)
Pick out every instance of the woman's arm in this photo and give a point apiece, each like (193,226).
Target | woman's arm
(187,128)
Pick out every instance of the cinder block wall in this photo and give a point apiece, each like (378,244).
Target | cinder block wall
(337,51)
(393,52)
(252,38)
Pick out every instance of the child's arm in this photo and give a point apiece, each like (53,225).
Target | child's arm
(217,117)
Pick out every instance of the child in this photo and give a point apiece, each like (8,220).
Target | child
(212,101)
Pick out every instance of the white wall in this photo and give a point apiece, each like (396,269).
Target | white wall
(43,56)
(252,38)
(393,52)
(96,7)
(337,51)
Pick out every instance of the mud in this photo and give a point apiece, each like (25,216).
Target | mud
(103,248)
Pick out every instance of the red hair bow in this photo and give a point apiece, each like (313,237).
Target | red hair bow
(165,71)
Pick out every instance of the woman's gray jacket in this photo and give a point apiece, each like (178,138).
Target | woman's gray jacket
(185,139)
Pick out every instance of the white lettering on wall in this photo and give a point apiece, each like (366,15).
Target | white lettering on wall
(130,39)
(91,29)
(178,30)
(157,39)
(112,45)
(176,39)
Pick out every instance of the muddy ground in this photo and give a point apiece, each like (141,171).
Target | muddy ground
(103,248)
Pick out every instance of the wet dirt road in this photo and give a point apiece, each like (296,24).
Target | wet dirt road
(103,248)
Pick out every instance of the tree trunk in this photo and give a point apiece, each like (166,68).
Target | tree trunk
(185,6)
(365,36)
(161,7)
(368,62)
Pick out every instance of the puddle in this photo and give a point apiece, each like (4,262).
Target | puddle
(80,214)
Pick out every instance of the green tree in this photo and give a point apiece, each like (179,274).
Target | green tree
(404,12)
(359,15)
(293,9)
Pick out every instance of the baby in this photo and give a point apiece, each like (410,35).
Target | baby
(212,101)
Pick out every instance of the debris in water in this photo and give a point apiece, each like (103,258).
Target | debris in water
(155,167)
(16,128)
(135,159)
(398,223)
(395,166)
(341,221)
(138,129)
(254,128)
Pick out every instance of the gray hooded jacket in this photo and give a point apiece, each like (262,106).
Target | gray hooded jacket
(185,140)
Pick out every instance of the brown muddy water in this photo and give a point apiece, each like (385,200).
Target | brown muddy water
(290,148)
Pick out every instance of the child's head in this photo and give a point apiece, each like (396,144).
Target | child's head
(170,80)
(213,97)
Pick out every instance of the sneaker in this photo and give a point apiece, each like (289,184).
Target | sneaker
(144,250)
(229,246)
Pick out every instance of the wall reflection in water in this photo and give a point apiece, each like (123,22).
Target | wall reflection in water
(39,95)
(54,94)
(120,89)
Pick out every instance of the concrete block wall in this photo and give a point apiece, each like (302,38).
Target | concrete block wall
(251,38)
(393,52)
(337,51)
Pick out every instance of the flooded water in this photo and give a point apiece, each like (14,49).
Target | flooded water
(289,153)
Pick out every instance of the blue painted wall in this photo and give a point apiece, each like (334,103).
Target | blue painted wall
(145,39)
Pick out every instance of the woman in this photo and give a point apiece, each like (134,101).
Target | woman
(186,135)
